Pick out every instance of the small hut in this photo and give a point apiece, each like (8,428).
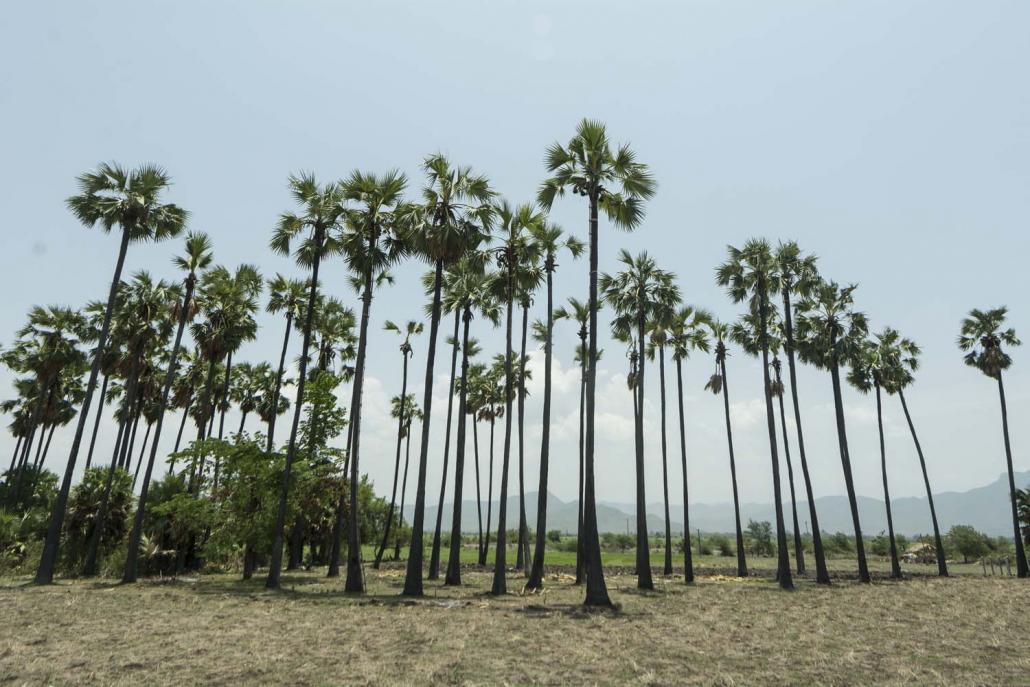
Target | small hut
(920,552)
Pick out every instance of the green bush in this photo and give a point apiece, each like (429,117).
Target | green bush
(84,506)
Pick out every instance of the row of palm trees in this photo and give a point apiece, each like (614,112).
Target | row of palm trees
(487,258)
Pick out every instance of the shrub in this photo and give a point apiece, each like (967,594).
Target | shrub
(554,536)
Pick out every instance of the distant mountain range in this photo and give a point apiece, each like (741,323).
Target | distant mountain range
(985,508)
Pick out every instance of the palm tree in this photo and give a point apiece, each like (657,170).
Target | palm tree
(454,219)
(983,338)
(687,333)
(197,257)
(640,293)
(476,406)
(130,200)
(285,296)
(412,328)
(778,391)
(321,214)
(550,240)
(528,279)
(751,274)
(829,335)
(798,275)
(717,384)
(413,412)
(612,181)
(494,404)
(870,370)
(372,241)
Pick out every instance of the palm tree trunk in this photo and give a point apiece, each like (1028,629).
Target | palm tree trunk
(688,563)
(799,549)
(845,457)
(500,586)
(895,565)
(580,558)
(644,580)
(396,461)
(185,416)
(942,565)
(597,591)
(536,577)
(434,556)
(667,569)
(132,555)
(96,422)
(413,576)
(243,422)
(142,451)
(489,496)
(404,490)
(822,574)
(741,560)
(279,382)
(453,575)
(224,404)
(1021,562)
(276,561)
(14,461)
(479,493)
(334,549)
(522,556)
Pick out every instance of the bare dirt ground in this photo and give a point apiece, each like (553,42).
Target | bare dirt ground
(214,629)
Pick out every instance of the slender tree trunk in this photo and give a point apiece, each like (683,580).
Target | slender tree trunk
(46,448)
(741,560)
(341,507)
(132,555)
(895,565)
(822,574)
(942,565)
(14,460)
(1021,562)
(799,549)
(224,404)
(413,577)
(453,575)
(580,558)
(434,556)
(279,382)
(276,561)
(396,461)
(243,422)
(536,577)
(688,563)
(667,569)
(479,493)
(489,496)
(845,457)
(182,425)
(597,591)
(96,422)
(644,580)
(522,556)
(500,586)
(142,451)
(404,490)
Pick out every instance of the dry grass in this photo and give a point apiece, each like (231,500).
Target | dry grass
(215,629)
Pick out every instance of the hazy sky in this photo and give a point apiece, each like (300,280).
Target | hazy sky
(890,138)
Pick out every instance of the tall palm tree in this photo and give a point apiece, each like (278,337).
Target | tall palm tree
(197,257)
(642,292)
(687,333)
(454,219)
(412,328)
(413,412)
(750,274)
(778,390)
(475,406)
(983,339)
(902,358)
(528,279)
(285,296)
(372,241)
(798,274)
(613,181)
(830,332)
(550,240)
(870,370)
(493,407)
(131,200)
(321,214)
(717,384)
(513,223)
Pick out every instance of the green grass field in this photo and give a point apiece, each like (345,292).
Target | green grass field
(722,630)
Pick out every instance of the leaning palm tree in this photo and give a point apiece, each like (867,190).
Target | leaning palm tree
(453,220)
(751,274)
(798,275)
(312,230)
(830,332)
(870,370)
(196,258)
(550,240)
(983,338)
(640,293)
(285,296)
(613,181)
(412,328)
(111,196)
(688,332)
(718,384)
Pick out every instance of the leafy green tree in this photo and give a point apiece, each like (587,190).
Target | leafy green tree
(968,542)
(96,493)
(984,341)
(760,535)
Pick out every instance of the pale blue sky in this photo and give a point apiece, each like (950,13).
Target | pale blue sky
(890,138)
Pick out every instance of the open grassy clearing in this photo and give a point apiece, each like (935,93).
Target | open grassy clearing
(215,628)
